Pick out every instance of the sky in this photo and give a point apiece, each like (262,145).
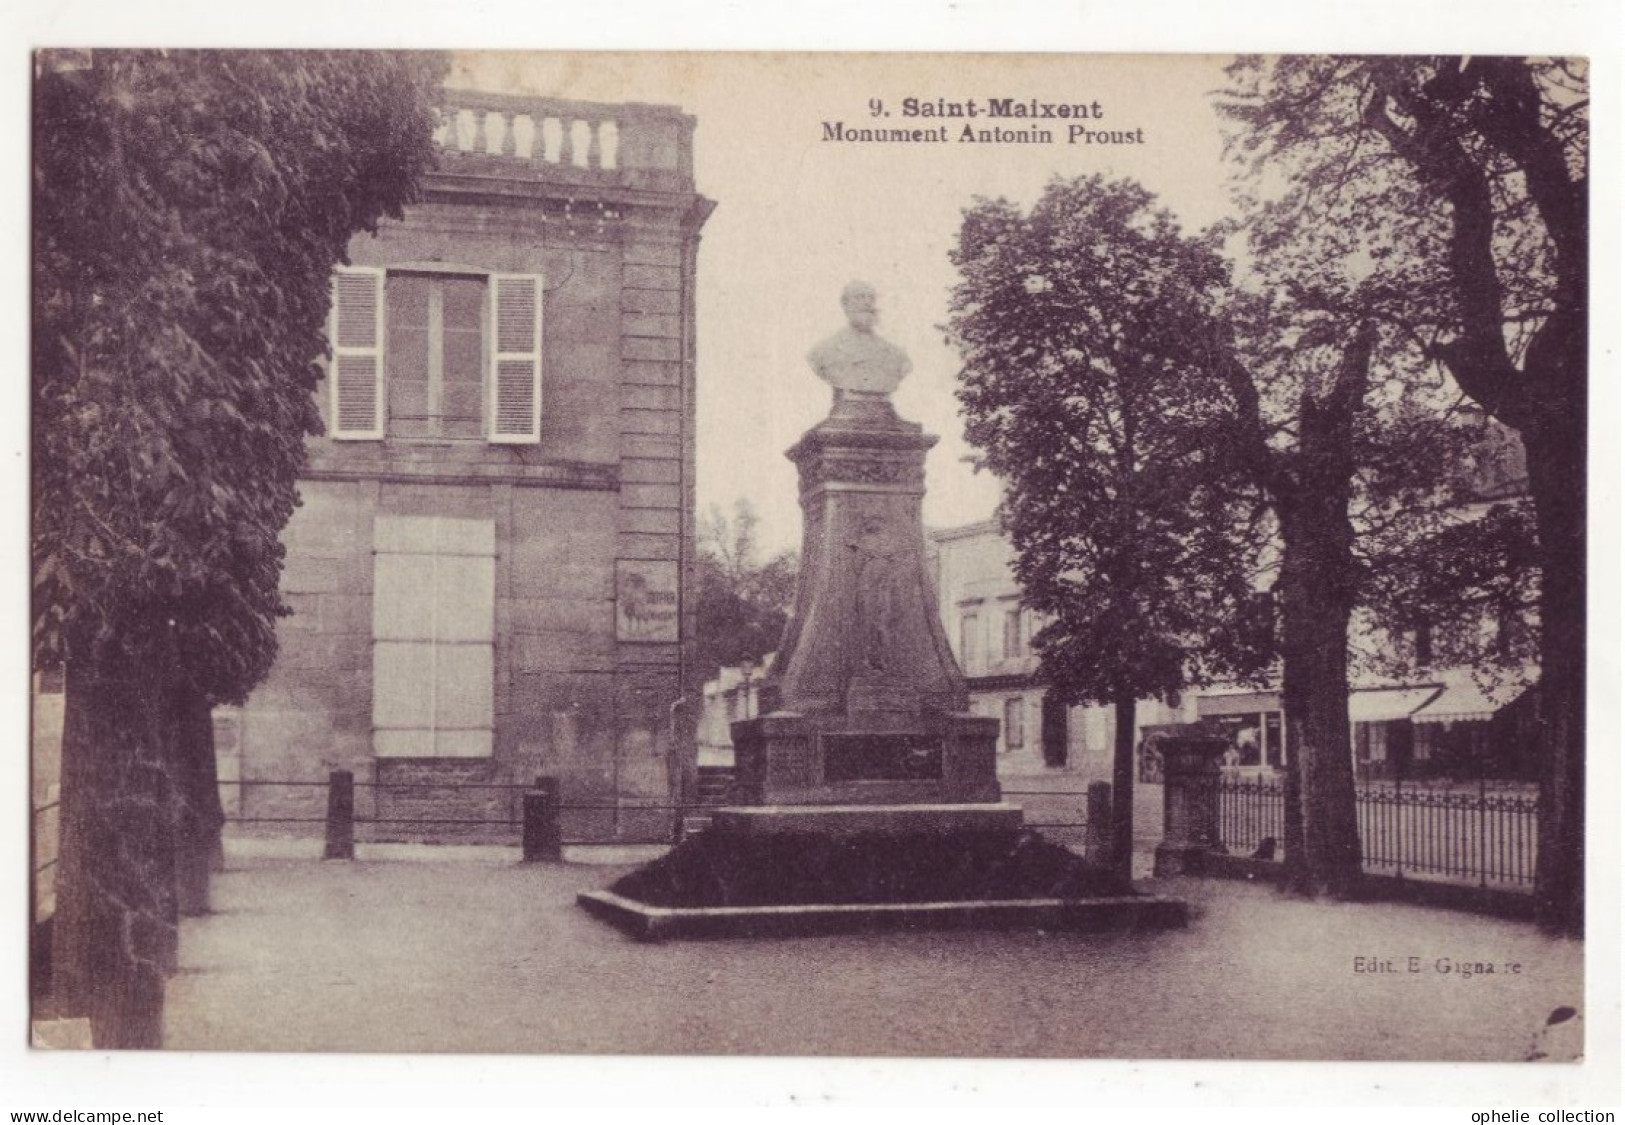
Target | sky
(798,217)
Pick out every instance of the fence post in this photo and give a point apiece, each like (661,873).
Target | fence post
(1190,804)
(541,838)
(340,816)
(1483,833)
(1097,827)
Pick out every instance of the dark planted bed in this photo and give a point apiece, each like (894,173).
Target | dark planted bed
(790,869)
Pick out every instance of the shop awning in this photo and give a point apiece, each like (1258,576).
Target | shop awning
(1465,701)
(1382,705)
(1237,703)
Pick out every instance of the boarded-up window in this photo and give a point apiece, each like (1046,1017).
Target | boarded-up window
(434,584)
(357,373)
(516,358)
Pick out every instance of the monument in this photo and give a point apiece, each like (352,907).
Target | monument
(864,724)
(865,795)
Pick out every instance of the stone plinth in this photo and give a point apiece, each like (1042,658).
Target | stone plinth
(865,638)
(1190,804)
(865,705)
(790,759)
(856,820)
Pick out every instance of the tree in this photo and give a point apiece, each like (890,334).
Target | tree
(743,603)
(189,210)
(1305,464)
(1344,426)
(1082,326)
(1470,177)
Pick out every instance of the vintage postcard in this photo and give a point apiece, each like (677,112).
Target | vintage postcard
(996,556)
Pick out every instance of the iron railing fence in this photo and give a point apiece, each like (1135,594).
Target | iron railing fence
(1463,833)
(45,834)
(1252,816)
(402,806)
(1458,833)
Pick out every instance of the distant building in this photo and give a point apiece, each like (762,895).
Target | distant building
(1426,721)
(991,635)
(730,697)
(489,570)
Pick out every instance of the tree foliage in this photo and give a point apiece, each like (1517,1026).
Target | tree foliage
(1465,181)
(1082,327)
(189,210)
(743,602)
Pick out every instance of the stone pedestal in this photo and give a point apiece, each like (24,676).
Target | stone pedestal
(1190,804)
(790,759)
(865,705)
(856,820)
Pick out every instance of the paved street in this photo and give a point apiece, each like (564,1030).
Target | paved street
(483,954)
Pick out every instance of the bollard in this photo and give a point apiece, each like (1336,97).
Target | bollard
(1097,824)
(541,837)
(340,816)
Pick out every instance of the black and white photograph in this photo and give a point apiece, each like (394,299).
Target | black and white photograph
(785,554)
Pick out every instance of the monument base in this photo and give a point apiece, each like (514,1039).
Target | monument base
(796,870)
(856,820)
(1117,914)
(788,759)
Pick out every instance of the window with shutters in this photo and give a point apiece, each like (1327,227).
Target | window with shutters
(357,373)
(436,355)
(970,644)
(1015,729)
(434,583)
(1012,633)
(516,360)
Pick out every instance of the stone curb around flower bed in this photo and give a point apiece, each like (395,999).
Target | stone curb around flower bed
(656,923)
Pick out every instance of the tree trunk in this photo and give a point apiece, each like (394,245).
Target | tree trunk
(1123,784)
(1294,859)
(1314,689)
(1556,458)
(1318,589)
(198,813)
(115,926)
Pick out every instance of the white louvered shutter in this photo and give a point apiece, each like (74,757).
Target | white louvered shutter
(357,373)
(516,358)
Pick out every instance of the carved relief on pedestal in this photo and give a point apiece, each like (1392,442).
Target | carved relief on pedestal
(861,470)
(882,558)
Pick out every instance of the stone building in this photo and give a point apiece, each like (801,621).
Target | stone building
(488,572)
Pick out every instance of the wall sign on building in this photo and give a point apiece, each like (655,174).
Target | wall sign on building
(646,602)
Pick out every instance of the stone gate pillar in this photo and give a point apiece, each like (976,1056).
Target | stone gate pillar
(1190,804)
